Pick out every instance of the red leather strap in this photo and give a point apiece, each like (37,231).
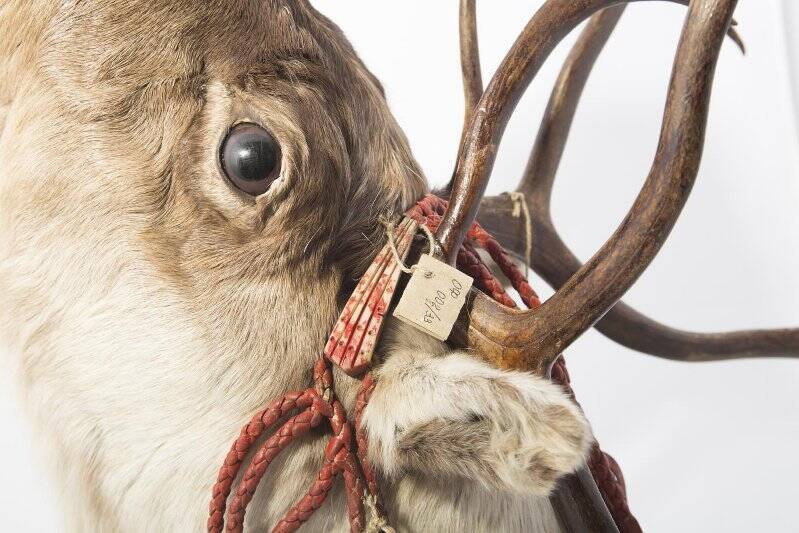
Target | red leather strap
(338,458)
(316,404)
(292,429)
(261,422)
(361,437)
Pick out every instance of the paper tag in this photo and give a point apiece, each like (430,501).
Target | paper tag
(434,297)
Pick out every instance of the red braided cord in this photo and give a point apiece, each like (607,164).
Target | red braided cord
(346,462)
(249,434)
(355,490)
(616,469)
(361,436)
(338,458)
(293,428)
(469,261)
(318,403)
(316,495)
(506,264)
(323,379)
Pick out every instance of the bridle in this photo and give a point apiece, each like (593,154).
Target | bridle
(351,348)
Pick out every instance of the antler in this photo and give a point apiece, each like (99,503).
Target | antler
(470,61)
(533,339)
(556,263)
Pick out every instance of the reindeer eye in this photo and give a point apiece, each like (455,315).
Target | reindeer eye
(250,158)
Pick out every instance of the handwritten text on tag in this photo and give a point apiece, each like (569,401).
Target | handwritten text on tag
(434,297)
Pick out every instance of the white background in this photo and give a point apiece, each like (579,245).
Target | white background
(708,447)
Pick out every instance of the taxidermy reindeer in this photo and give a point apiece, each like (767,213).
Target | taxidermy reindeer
(158,286)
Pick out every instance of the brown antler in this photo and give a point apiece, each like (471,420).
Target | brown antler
(533,339)
(555,263)
(470,61)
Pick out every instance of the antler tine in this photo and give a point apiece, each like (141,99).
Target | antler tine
(545,156)
(481,137)
(630,328)
(470,60)
(555,263)
(478,151)
(600,283)
(554,20)
(587,295)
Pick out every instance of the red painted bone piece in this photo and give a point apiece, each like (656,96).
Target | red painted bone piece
(354,337)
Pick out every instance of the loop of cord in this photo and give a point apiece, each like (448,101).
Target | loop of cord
(520,207)
(431,243)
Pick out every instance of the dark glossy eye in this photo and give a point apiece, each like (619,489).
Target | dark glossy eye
(250,158)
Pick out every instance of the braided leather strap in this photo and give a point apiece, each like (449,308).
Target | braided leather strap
(241,447)
(316,404)
(361,436)
(338,458)
(506,264)
(291,430)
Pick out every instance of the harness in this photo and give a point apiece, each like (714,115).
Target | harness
(350,346)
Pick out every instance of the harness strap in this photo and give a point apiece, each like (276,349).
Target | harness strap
(350,346)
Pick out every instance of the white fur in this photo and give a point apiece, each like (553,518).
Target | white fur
(415,387)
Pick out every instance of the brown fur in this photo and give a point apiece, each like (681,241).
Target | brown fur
(151,307)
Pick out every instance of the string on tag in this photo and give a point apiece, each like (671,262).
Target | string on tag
(519,208)
(431,244)
(377,522)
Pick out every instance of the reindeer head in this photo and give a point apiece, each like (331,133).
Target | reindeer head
(235,152)
(184,185)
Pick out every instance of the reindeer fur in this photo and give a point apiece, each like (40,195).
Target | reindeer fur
(150,308)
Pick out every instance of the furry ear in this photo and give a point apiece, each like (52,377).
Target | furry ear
(451,415)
